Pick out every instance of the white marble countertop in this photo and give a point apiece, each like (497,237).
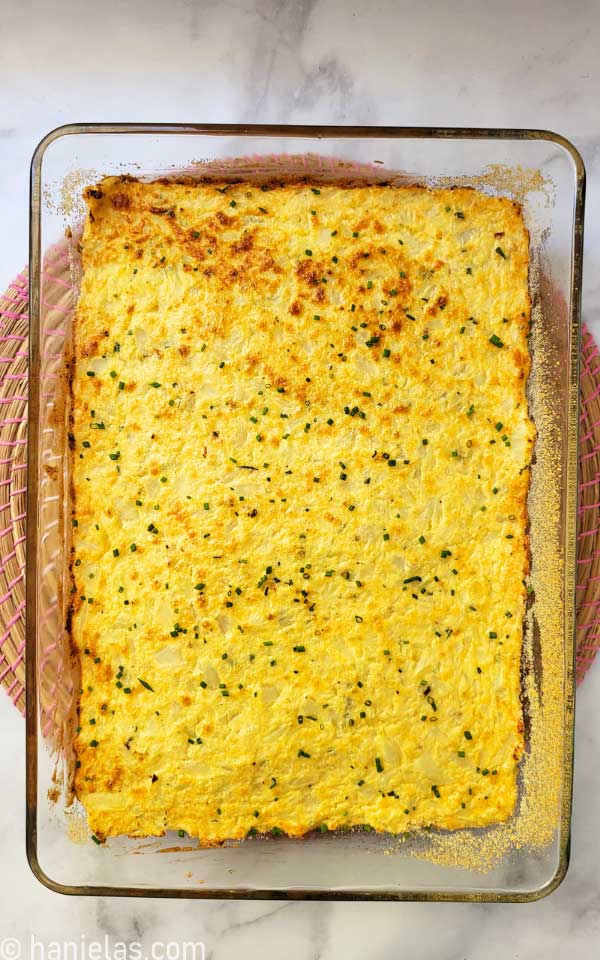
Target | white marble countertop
(469,63)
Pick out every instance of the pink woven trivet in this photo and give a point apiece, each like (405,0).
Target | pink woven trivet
(13,437)
(13,426)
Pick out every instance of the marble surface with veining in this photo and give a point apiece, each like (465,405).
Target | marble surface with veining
(517,63)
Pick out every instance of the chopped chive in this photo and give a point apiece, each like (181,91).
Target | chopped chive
(378,765)
(497,342)
(145,684)
(501,252)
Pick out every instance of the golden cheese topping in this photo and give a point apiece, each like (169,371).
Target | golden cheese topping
(300,451)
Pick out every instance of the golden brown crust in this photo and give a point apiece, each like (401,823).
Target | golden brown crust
(299,419)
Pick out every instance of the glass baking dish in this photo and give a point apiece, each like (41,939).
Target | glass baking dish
(519,861)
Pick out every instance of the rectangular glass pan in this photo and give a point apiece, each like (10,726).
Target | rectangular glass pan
(522,860)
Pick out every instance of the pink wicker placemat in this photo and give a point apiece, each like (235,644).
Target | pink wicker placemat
(13,436)
(13,430)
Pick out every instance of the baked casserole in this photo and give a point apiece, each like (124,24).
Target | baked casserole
(300,450)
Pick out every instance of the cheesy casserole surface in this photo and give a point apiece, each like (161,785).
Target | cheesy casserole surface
(299,468)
